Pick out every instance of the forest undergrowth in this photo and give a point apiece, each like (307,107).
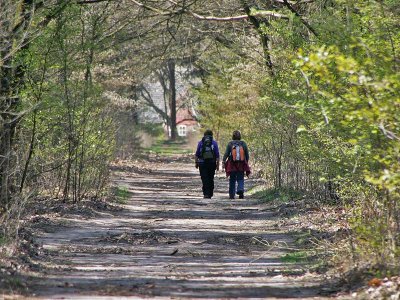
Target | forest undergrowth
(324,238)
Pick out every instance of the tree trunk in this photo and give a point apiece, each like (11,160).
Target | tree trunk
(4,138)
(14,39)
(11,79)
(30,153)
(264,38)
(280,154)
(172,90)
(5,149)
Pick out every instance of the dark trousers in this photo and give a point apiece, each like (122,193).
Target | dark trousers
(207,172)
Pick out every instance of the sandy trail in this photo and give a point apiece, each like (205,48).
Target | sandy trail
(169,242)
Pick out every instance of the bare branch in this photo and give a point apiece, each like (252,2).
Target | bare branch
(220,19)
(309,27)
(258,13)
(90,1)
(156,10)
(150,102)
(389,134)
(295,2)
(268,13)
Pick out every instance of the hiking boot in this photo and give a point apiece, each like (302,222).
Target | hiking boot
(231,197)
(241,195)
(207,197)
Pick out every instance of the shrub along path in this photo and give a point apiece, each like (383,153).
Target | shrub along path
(169,242)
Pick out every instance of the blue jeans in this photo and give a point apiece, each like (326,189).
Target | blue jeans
(236,176)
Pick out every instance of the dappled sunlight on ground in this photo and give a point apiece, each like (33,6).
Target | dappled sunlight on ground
(170,242)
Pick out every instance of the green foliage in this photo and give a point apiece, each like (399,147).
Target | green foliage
(327,122)
(155,130)
(168,148)
(121,194)
(14,283)
(295,257)
(3,239)
(280,195)
(354,89)
(68,132)
(228,96)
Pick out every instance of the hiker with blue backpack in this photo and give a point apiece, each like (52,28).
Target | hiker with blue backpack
(207,161)
(235,163)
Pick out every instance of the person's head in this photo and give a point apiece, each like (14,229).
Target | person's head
(236,135)
(208,132)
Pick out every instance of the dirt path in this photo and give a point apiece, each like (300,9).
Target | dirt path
(170,242)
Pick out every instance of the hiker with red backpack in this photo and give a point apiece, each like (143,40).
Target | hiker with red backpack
(235,163)
(207,161)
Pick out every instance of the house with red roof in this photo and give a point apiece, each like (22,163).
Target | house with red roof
(186,122)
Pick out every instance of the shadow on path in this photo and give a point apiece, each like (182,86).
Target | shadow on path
(169,242)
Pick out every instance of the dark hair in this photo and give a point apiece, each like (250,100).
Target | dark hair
(236,135)
(208,132)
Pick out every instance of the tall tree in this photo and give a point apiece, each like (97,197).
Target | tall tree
(17,34)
